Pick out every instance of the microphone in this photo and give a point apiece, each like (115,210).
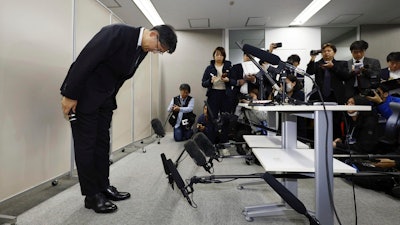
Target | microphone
(257,51)
(178,180)
(272,59)
(205,145)
(290,198)
(195,153)
(72,117)
(261,54)
(166,170)
(158,127)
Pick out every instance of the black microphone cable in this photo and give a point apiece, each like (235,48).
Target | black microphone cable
(330,191)
(347,127)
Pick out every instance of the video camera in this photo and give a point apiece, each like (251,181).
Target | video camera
(315,52)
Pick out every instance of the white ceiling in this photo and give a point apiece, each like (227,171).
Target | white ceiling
(253,14)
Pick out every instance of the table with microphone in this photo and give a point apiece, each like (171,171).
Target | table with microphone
(290,157)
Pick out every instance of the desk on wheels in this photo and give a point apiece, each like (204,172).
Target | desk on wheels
(319,160)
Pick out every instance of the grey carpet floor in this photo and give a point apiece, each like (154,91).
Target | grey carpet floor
(154,202)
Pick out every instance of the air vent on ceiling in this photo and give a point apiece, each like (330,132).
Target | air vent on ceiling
(255,21)
(111,4)
(199,23)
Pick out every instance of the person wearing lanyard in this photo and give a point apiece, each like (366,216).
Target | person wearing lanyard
(359,130)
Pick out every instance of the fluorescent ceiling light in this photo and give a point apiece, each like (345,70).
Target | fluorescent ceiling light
(309,11)
(149,11)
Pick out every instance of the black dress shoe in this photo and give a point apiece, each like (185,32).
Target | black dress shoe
(100,204)
(113,194)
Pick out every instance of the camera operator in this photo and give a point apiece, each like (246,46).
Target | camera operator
(365,72)
(330,74)
(381,99)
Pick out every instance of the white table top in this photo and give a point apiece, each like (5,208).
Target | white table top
(307,108)
(297,160)
(263,141)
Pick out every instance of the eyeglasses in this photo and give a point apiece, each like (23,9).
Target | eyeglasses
(158,49)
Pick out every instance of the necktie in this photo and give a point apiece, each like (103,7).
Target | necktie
(135,59)
(327,83)
(357,81)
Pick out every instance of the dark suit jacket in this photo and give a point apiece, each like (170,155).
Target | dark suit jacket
(339,75)
(111,57)
(369,77)
(206,80)
(236,74)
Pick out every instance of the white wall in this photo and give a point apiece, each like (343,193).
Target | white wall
(298,40)
(187,65)
(36,51)
(382,40)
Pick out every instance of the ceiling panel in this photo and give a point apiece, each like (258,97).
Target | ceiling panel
(234,14)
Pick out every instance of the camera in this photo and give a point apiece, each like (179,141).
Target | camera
(315,52)
(368,92)
(72,117)
(277,45)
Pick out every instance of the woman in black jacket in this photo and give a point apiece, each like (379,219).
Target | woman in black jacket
(359,130)
(218,84)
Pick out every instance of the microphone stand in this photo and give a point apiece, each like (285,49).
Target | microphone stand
(179,157)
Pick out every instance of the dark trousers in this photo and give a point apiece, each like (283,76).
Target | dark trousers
(92,145)
(182,134)
(219,102)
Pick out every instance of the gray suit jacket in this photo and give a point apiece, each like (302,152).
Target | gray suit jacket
(369,75)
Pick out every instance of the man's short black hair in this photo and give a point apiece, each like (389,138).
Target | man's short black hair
(167,37)
(185,87)
(359,45)
(393,57)
(329,45)
(293,58)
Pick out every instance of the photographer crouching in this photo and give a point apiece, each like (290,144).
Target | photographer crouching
(182,117)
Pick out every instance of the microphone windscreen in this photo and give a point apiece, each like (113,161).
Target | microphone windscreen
(204,144)
(261,54)
(164,162)
(175,174)
(195,152)
(166,170)
(285,194)
(158,127)
(178,180)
